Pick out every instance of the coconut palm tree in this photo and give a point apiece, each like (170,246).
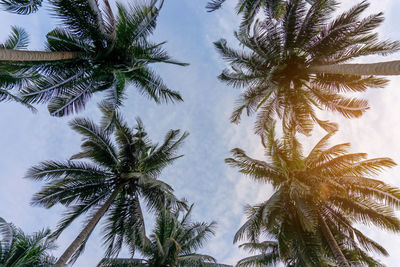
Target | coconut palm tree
(110,182)
(281,64)
(23,7)
(174,242)
(94,51)
(19,249)
(318,196)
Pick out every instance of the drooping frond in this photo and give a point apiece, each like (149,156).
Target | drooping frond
(135,22)
(18,39)
(268,254)
(79,18)
(214,5)
(22,7)
(151,85)
(6,95)
(125,222)
(258,170)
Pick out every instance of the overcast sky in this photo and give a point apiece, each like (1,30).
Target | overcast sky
(219,192)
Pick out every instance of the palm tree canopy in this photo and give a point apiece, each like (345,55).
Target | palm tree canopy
(19,249)
(330,186)
(129,167)
(274,64)
(102,52)
(173,242)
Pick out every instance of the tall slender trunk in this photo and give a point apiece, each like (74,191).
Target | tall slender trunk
(337,252)
(29,56)
(87,230)
(382,68)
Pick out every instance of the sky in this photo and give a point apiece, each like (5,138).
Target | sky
(218,191)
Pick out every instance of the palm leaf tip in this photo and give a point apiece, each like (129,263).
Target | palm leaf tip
(21,7)
(17,40)
(214,5)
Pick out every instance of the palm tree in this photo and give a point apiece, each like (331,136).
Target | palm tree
(284,64)
(19,249)
(94,51)
(111,184)
(318,197)
(173,242)
(23,7)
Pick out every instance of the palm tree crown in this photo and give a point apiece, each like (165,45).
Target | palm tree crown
(317,199)
(276,65)
(94,51)
(173,242)
(111,182)
(19,249)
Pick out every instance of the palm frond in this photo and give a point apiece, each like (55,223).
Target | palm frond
(6,95)
(152,86)
(22,7)
(135,22)
(17,40)
(79,18)
(214,5)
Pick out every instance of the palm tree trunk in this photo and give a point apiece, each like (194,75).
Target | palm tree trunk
(87,230)
(337,252)
(382,68)
(29,56)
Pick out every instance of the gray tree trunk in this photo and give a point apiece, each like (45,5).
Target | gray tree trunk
(382,68)
(30,56)
(87,230)
(337,252)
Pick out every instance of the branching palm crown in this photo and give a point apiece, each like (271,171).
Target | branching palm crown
(22,250)
(94,51)
(110,182)
(174,241)
(275,65)
(316,200)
